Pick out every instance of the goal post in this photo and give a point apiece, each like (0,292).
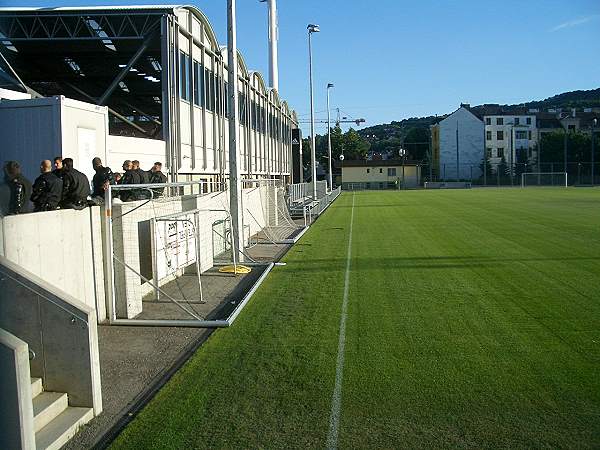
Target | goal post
(529,179)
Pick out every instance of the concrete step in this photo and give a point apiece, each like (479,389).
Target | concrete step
(47,406)
(58,432)
(36,387)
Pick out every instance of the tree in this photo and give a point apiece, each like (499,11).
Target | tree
(486,166)
(416,143)
(355,147)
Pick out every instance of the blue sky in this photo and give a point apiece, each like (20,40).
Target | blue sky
(393,59)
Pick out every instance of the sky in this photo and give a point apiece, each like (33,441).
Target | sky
(394,59)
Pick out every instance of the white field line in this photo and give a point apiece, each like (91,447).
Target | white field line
(336,401)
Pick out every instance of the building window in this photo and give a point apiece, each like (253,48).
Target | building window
(368,170)
(500,135)
(380,170)
(571,127)
(500,152)
(529,135)
(488,135)
(528,120)
(488,120)
(488,152)
(517,121)
(521,134)
(499,121)
(391,171)
(184,79)
(198,84)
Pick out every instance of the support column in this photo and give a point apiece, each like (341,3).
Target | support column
(235,185)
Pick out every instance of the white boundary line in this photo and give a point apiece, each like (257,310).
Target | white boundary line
(336,401)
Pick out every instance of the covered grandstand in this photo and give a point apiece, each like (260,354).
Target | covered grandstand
(163,76)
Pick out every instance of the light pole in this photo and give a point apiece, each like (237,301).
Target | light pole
(402,154)
(273,37)
(594,123)
(235,184)
(312,29)
(329,86)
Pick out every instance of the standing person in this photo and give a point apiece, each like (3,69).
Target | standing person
(57,166)
(129,177)
(102,176)
(157,177)
(76,187)
(17,191)
(47,189)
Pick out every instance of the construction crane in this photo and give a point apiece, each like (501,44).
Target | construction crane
(338,120)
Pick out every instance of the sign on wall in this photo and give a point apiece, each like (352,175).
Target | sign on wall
(174,244)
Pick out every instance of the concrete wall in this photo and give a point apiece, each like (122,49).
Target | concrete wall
(470,144)
(62,247)
(61,331)
(16,407)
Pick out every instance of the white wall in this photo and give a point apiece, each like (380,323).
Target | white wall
(470,143)
(60,247)
(147,151)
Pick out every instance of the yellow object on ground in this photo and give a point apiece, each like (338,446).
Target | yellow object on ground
(235,269)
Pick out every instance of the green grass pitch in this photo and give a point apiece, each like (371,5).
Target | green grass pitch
(473,322)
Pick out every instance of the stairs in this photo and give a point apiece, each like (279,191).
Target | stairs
(55,422)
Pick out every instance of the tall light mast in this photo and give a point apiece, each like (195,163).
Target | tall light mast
(273,38)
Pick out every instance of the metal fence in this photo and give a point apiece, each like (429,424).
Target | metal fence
(578,173)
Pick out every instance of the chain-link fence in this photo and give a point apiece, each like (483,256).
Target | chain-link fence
(578,173)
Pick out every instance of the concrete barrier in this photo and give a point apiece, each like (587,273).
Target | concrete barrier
(61,331)
(16,408)
(62,247)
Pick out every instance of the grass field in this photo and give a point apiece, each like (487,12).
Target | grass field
(473,321)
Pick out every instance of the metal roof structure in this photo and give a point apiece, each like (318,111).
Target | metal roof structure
(105,55)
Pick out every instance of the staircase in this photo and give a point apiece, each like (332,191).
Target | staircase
(55,422)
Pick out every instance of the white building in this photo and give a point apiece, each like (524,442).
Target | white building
(458,145)
(512,136)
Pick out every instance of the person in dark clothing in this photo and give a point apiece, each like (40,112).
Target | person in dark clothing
(130,176)
(16,198)
(58,166)
(76,187)
(47,189)
(102,176)
(156,177)
(141,194)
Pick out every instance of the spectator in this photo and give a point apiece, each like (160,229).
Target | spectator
(117,177)
(157,177)
(129,177)
(144,176)
(14,198)
(76,187)
(102,177)
(47,189)
(58,166)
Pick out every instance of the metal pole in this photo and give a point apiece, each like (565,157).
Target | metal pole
(313,155)
(235,185)
(329,137)
(273,37)
(593,149)
(457,156)
(565,151)
(512,149)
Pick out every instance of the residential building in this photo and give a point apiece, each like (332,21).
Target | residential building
(512,136)
(457,145)
(380,174)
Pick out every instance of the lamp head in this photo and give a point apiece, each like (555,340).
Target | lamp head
(341,157)
(312,28)
(330,85)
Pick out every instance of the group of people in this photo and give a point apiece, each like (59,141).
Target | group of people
(64,187)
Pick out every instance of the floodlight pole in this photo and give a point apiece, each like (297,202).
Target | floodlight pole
(329,86)
(594,123)
(313,156)
(235,185)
